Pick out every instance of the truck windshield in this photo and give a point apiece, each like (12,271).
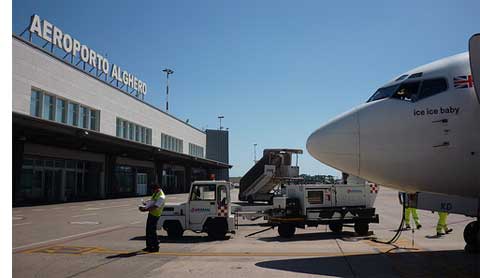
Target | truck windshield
(203,192)
(384,92)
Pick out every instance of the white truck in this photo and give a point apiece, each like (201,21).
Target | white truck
(331,204)
(208,209)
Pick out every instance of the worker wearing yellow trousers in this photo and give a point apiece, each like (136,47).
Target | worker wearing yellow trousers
(404,197)
(442,227)
(413,212)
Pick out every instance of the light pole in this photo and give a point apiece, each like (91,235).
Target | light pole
(168,72)
(255,153)
(220,118)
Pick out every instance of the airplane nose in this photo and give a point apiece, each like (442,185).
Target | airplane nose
(337,143)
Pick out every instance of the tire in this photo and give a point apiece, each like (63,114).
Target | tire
(361,228)
(471,234)
(336,227)
(217,229)
(286,230)
(174,229)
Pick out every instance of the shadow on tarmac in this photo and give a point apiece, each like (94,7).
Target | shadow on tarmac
(126,255)
(451,263)
(183,239)
(310,236)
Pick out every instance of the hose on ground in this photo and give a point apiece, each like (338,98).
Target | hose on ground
(400,227)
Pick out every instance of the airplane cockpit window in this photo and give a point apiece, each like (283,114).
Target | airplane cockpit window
(415,75)
(432,87)
(383,93)
(401,77)
(407,91)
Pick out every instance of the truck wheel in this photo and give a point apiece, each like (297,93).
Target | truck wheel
(361,228)
(174,229)
(286,230)
(336,227)
(217,229)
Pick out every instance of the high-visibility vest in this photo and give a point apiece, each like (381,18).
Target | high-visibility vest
(158,211)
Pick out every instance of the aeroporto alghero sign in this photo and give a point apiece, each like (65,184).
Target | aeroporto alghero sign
(56,37)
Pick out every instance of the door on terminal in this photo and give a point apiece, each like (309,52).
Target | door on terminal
(141,184)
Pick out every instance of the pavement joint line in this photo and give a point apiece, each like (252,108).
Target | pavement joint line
(72,237)
(20,224)
(88,214)
(136,222)
(99,208)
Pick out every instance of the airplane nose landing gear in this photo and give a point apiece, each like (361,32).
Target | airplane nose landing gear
(471,234)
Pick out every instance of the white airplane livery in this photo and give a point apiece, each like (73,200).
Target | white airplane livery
(419,133)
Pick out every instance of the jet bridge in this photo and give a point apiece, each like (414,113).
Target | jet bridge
(273,169)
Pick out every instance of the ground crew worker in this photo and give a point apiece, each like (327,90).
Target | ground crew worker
(154,207)
(409,211)
(442,224)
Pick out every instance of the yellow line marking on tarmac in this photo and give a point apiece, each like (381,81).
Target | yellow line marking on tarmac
(72,250)
(33,250)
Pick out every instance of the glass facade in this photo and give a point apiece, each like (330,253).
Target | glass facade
(45,179)
(195,150)
(135,132)
(130,181)
(53,108)
(171,143)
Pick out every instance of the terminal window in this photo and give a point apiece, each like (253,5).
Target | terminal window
(171,143)
(53,108)
(132,131)
(195,150)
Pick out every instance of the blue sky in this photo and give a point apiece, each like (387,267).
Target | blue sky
(276,70)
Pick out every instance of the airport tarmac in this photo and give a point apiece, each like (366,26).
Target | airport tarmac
(103,239)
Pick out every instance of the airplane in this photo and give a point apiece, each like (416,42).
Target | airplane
(420,132)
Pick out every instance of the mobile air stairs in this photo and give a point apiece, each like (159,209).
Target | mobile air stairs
(272,170)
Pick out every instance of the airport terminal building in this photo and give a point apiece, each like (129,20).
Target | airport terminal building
(81,133)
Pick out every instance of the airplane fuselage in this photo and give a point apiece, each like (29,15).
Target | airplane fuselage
(420,132)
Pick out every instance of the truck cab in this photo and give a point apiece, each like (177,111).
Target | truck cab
(208,209)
